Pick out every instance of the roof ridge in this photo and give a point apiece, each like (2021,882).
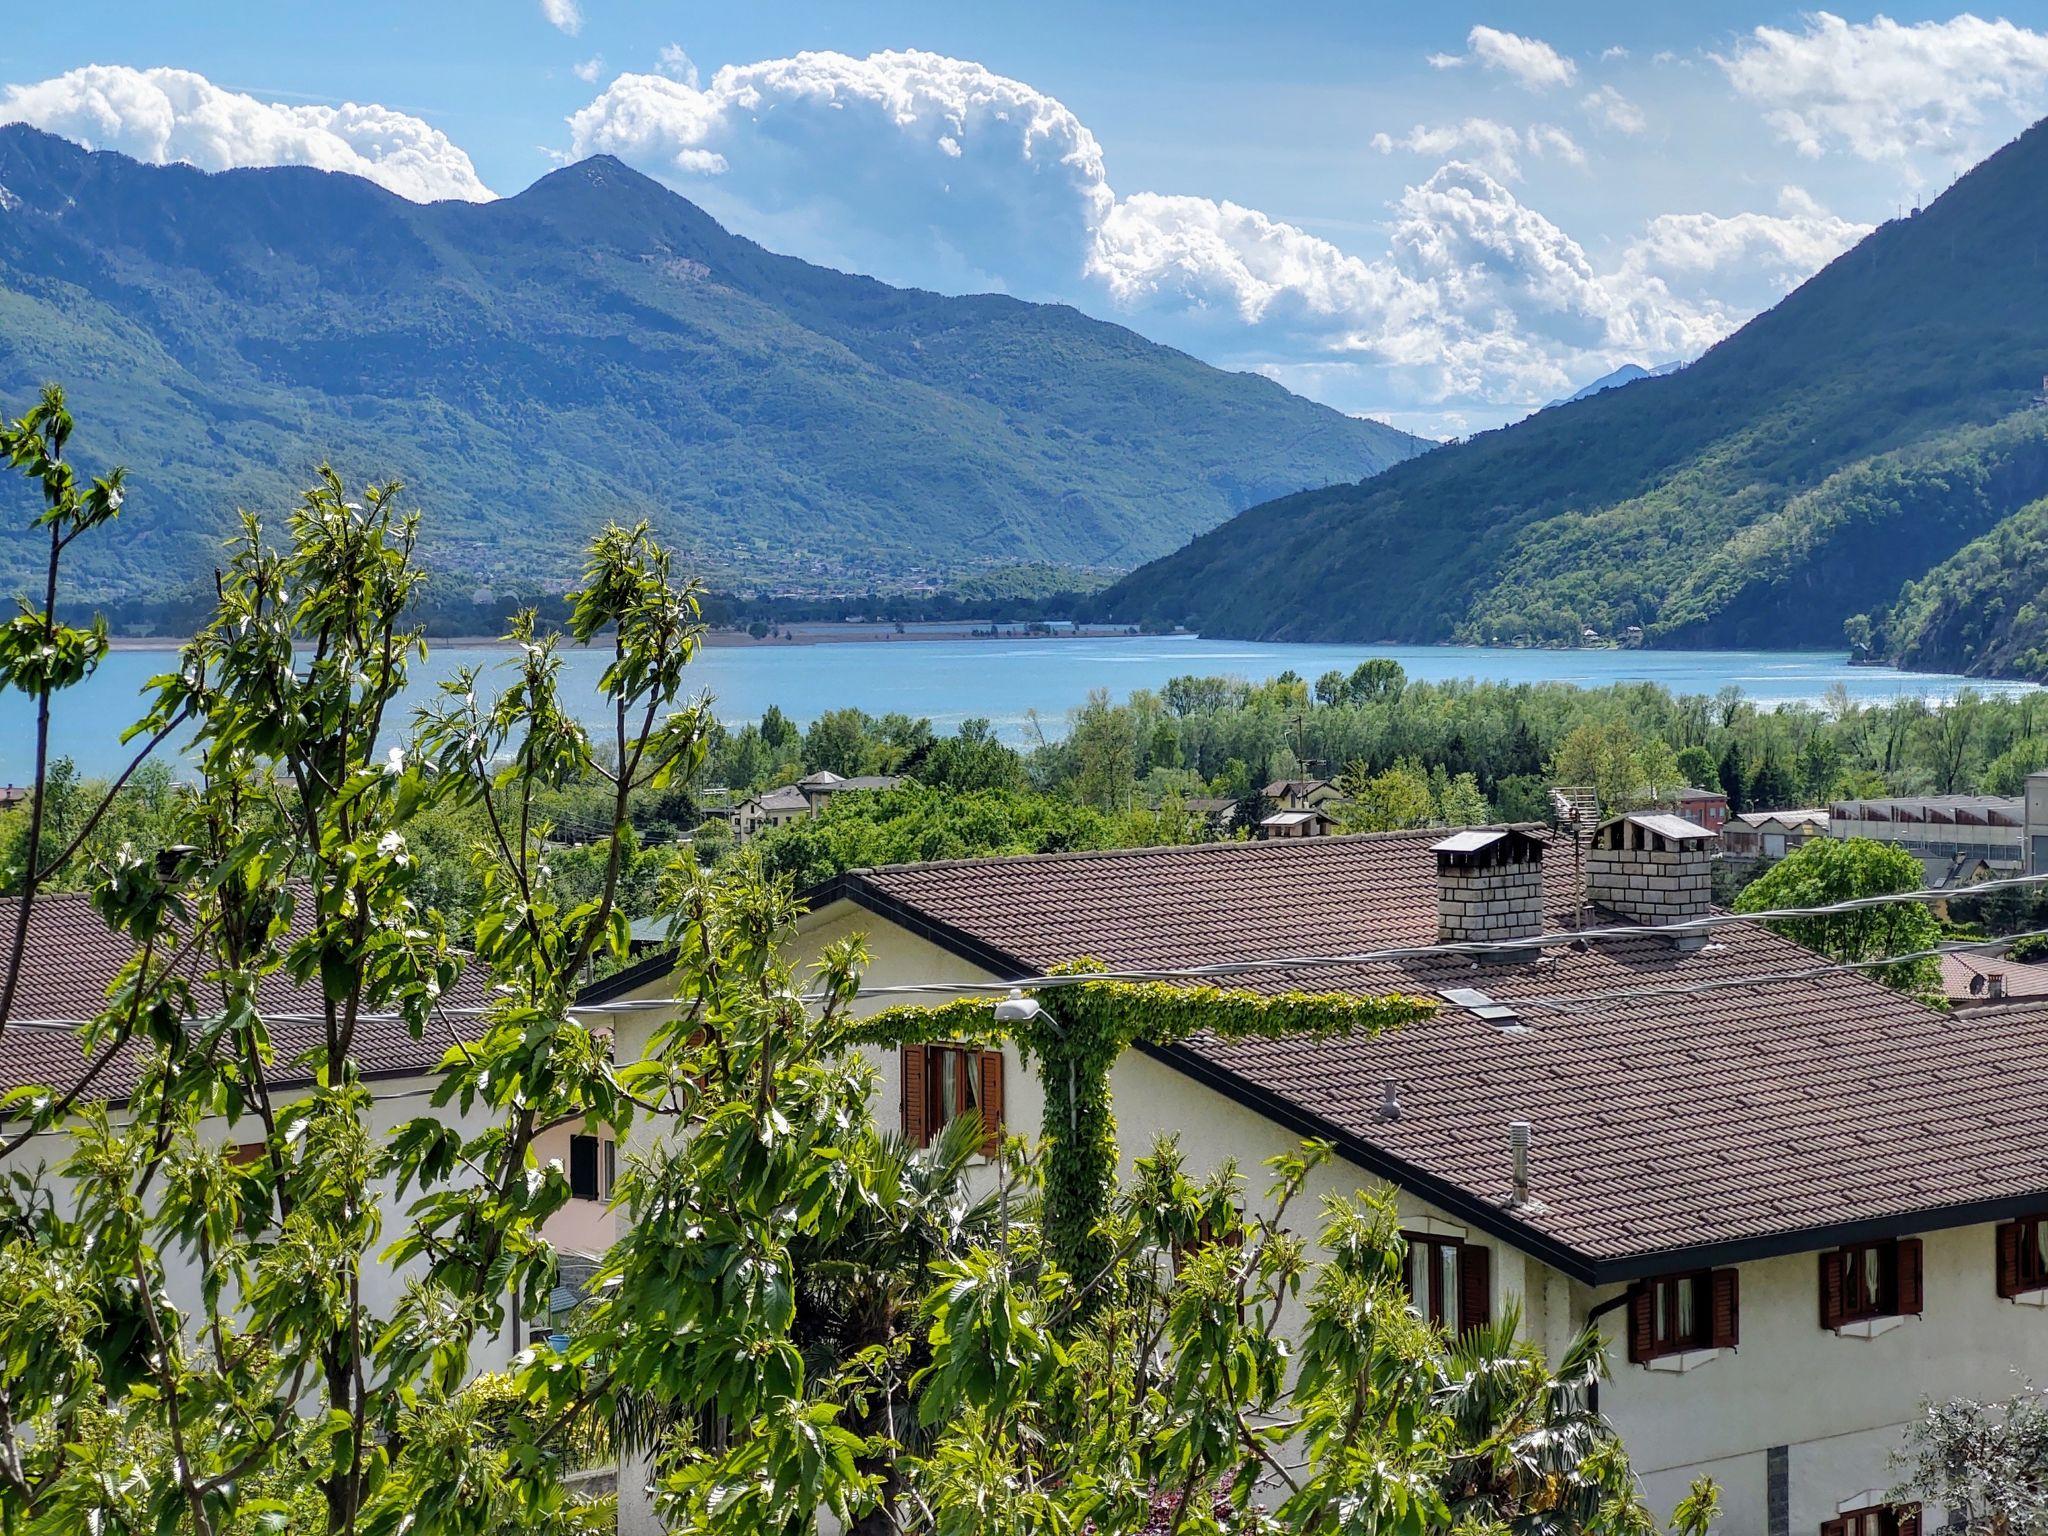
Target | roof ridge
(1191,850)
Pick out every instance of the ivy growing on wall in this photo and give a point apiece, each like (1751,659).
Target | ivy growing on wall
(1076,1037)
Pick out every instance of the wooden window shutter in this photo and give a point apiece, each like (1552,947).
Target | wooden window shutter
(1906,1520)
(1835,1527)
(1831,1290)
(1909,1289)
(991,1103)
(583,1167)
(2009,1257)
(1642,1343)
(916,1061)
(1726,1316)
(1475,1287)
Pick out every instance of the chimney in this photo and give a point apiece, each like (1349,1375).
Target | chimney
(1489,886)
(1656,869)
(1518,1153)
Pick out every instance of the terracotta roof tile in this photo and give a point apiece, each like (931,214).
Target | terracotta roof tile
(71,962)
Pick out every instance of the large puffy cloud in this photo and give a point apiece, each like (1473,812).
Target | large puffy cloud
(932,170)
(1499,147)
(853,160)
(162,115)
(1885,91)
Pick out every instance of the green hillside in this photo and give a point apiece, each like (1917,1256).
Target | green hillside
(599,347)
(1859,434)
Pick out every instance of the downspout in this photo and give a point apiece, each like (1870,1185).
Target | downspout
(1592,1317)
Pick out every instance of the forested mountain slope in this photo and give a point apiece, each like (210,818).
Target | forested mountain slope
(595,347)
(1847,441)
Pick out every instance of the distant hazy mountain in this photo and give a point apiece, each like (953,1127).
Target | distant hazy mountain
(599,347)
(1627,373)
(1855,438)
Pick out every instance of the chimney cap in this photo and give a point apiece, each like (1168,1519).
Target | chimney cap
(1477,847)
(1674,829)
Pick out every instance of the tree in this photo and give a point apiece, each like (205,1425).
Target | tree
(1696,766)
(1827,871)
(1105,749)
(1987,1463)
(1385,802)
(808,1318)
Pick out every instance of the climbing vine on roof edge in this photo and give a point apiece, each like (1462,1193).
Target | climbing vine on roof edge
(1077,1036)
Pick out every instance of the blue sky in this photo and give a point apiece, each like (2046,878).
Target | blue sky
(1438,215)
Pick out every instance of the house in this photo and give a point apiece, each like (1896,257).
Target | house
(71,959)
(1705,807)
(1770,834)
(1301,794)
(1746,1168)
(793,802)
(1218,812)
(1986,980)
(1308,822)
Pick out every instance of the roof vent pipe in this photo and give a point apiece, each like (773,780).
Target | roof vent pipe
(1518,1148)
(1390,1100)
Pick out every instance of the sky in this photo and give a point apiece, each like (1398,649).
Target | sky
(1439,216)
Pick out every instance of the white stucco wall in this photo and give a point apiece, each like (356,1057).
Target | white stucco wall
(581,1226)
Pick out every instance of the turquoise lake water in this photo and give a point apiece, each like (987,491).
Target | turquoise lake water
(1005,680)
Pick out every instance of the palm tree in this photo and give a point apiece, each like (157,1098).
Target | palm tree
(858,1296)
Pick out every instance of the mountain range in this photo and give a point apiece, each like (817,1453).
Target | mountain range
(1872,452)
(1627,373)
(598,347)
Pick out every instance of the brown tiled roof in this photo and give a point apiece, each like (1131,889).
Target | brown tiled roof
(2023,979)
(1732,1122)
(71,960)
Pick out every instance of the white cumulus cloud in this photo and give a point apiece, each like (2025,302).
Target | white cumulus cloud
(853,160)
(1616,111)
(677,65)
(1885,91)
(567,15)
(1498,147)
(164,115)
(1529,60)
(935,171)
(589,69)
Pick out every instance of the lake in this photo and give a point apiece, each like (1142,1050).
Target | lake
(951,678)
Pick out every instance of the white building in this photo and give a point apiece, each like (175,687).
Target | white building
(1795,1208)
(69,963)
(793,802)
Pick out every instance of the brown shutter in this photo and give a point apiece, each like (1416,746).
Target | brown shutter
(991,1103)
(1906,1520)
(1909,1289)
(916,1061)
(1726,1317)
(2009,1257)
(1475,1287)
(1831,1290)
(1836,1527)
(1642,1343)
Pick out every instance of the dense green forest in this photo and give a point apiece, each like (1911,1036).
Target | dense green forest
(598,347)
(1846,442)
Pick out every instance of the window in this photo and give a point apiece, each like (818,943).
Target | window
(1678,1314)
(1450,1282)
(1877,1520)
(593,1165)
(248,1152)
(1865,1281)
(2023,1256)
(943,1082)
